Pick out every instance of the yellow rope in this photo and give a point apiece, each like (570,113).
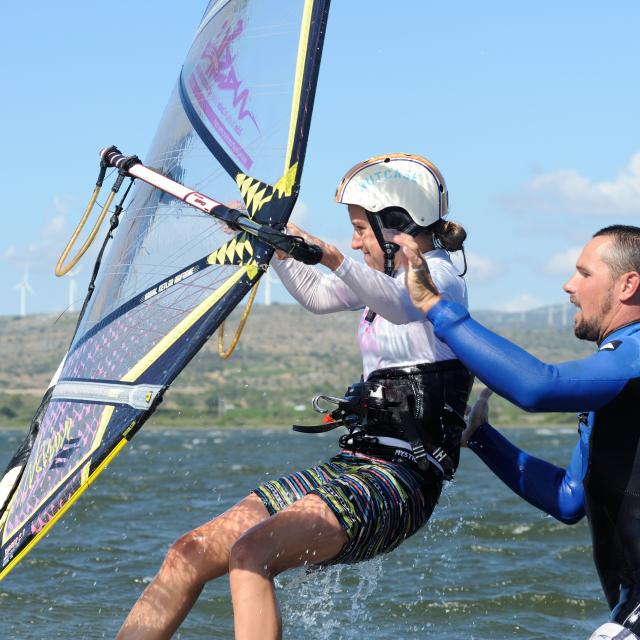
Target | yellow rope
(226,354)
(61,268)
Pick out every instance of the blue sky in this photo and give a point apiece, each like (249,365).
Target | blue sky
(530,111)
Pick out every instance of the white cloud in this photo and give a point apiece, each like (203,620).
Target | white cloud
(562,263)
(567,191)
(300,214)
(63,205)
(42,251)
(480,268)
(522,302)
(55,226)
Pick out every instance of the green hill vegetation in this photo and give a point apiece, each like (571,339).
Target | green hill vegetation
(285,357)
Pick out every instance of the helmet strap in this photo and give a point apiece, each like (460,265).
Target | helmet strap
(389,248)
(413,229)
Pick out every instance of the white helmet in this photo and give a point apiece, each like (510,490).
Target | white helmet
(398,180)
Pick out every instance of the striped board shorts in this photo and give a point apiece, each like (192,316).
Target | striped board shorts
(378,503)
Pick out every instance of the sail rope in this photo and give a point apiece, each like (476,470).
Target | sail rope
(225,354)
(61,268)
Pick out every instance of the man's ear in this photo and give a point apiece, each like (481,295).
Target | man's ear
(630,286)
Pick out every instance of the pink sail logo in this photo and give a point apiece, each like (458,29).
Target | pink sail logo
(219,93)
(220,69)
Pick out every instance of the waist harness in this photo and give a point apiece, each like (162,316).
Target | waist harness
(422,404)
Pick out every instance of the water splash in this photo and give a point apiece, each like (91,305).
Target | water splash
(317,600)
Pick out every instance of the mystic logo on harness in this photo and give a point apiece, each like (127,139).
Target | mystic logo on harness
(439,454)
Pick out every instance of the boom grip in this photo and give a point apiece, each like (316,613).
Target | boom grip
(306,253)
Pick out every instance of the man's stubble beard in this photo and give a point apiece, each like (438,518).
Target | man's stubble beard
(590,329)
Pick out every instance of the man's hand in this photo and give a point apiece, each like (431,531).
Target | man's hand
(478,415)
(423,291)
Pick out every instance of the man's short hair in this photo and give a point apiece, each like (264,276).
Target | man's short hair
(624,253)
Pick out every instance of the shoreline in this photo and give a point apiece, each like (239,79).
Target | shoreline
(195,427)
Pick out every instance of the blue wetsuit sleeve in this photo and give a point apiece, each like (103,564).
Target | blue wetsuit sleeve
(580,385)
(558,492)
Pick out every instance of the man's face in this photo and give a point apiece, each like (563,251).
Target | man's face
(591,290)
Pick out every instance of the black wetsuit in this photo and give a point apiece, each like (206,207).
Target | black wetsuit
(603,477)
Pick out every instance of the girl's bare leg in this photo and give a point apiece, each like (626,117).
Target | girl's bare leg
(197,557)
(307,532)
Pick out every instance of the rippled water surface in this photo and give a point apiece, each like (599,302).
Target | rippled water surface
(486,567)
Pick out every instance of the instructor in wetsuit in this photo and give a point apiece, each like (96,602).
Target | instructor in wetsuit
(602,480)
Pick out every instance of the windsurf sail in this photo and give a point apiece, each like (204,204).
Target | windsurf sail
(236,127)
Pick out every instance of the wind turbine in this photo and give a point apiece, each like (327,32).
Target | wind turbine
(268,280)
(73,289)
(24,287)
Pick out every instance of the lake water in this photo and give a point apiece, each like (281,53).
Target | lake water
(486,567)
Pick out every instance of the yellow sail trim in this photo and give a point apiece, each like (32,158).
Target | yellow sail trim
(86,482)
(261,198)
(251,192)
(284,186)
(238,250)
(255,194)
(251,270)
(183,326)
(104,421)
(244,182)
(303,45)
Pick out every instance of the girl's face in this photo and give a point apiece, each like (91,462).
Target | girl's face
(364,239)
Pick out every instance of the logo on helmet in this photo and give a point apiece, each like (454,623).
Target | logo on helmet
(365,182)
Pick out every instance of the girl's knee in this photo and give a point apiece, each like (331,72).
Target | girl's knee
(185,554)
(251,553)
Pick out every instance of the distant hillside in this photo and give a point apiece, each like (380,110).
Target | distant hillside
(286,355)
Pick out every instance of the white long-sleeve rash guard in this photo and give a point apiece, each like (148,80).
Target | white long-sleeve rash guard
(400,335)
